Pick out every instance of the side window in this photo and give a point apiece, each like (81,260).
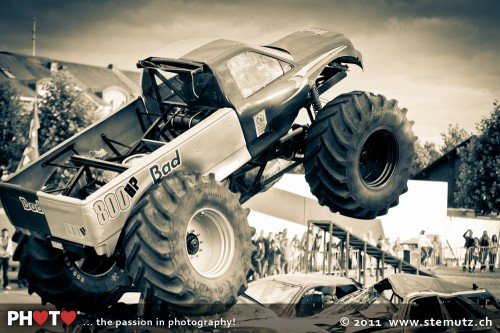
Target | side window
(342,291)
(253,71)
(484,300)
(458,309)
(309,304)
(426,308)
(315,300)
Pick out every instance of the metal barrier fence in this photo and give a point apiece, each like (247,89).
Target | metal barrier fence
(318,261)
(485,258)
(481,257)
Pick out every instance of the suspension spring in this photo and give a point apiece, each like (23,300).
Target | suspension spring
(316,103)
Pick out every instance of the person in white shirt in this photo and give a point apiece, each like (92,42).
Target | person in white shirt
(425,246)
(5,255)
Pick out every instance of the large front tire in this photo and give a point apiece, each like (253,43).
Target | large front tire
(358,154)
(59,279)
(188,245)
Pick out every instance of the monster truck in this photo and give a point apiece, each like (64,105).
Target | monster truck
(150,196)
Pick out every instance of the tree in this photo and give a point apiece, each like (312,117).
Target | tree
(478,186)
(428,152)
(14,124)
(424,155)
(64,110)
(455,136)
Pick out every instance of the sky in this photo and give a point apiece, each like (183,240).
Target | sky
(439,59)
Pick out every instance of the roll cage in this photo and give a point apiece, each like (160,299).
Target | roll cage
(181,83)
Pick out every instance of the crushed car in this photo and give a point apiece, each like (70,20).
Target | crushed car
(413,303)
(300,295)
(248,315)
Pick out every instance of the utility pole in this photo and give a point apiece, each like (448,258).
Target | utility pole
(33,38)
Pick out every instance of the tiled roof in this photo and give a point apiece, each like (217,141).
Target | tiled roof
(20,67)
(95,78)
(27,70)
(22,89)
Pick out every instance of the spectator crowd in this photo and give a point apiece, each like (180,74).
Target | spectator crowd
(482,251)
(276,253)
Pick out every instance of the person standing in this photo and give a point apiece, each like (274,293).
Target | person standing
(315,251)
(260,258)
(267,261)
(387,246)
(475,254)
(286,254)
(425,248)
(380,242)
(469,243)
(295,246)
(438,250)
(484,243)
(274,258)
(5,255)
(307,249)
(493,252)
(397,249)
(255,258)
(368,238)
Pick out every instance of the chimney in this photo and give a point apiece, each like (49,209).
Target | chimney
(53,66)
(110,66)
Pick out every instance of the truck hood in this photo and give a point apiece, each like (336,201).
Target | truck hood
(309,43)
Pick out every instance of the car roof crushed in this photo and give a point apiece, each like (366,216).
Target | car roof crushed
(404,285)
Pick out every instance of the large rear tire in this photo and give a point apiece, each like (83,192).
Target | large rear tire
(85,285)
(358,154)
(188,245)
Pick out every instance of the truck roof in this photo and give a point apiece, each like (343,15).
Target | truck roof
(298,45)
(204,50)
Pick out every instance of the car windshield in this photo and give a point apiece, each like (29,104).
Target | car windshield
(269,292)
(366,301)
(253,71)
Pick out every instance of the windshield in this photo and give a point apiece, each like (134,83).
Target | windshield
(272,292)
(365,303)
(253,71)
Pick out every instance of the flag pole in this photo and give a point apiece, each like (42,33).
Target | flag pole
(31,151)
(33,38)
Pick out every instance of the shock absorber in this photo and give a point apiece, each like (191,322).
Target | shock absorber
(316,103)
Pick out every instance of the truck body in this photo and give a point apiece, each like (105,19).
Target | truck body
(239,126)
(150,196)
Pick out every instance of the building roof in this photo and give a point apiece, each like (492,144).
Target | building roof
(22,89)
(451,154)
(23,67)
(27,70)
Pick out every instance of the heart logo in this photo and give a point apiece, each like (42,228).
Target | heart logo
(40,316)
(68,316)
